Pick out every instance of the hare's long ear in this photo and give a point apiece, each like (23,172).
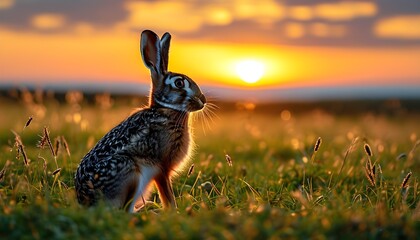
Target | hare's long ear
(150,52)
(164,50)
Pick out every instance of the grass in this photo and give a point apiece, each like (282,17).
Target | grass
(256,174)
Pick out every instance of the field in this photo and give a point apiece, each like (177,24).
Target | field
(279,171)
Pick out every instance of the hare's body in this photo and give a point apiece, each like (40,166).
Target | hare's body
(147,147)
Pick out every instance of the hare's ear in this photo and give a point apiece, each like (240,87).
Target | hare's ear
(164,50)
(150,52)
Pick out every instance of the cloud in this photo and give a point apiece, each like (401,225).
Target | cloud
(294,30)
(48,21)
(19,15)
(324,30)
(399,27)
(190,16)
(296,22)
(264,12)
(6,4)
(218,16)
(164,15)
(346,10)
(194,16)
(301,12)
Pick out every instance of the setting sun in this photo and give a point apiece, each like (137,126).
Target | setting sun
(250,71)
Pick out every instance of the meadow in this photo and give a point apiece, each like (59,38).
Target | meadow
(278,171)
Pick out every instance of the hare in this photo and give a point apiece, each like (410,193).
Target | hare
(150,145)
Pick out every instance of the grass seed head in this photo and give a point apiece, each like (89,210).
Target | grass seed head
(370,174)
(191,170)
(42,142)
(228,160)
(406,180)
(20,149)
(56,171)
(380,169)
(2,173)
(401,156)
(65,145)
(48,140)
(17,138)
(57,144)
(23,153)
(317,144)
(45,163)
(28,122)
(368,150)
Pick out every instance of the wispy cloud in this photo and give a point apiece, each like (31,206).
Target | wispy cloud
(399,27)
(164,16)
(48,21)
(293,22)
(190,16)
(18,14)
(346,10)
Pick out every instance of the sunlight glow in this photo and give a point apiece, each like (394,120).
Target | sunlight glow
(87,55)
(250,71)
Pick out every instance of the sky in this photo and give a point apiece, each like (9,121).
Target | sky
(248,44)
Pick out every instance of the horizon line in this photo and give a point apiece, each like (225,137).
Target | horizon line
(280,93)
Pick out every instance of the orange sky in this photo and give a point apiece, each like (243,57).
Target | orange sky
(312,48)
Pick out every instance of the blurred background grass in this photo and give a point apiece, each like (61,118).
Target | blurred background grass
(277,186)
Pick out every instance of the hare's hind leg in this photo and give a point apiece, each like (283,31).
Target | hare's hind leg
(116,177)
(166,192)
(85,191)
(143,180)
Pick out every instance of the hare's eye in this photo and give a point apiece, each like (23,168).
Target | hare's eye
(179,83)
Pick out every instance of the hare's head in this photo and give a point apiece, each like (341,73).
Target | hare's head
(169,90)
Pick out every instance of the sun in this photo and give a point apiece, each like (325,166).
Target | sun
(250,71)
